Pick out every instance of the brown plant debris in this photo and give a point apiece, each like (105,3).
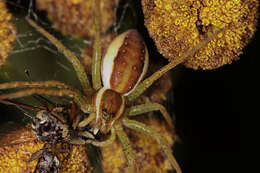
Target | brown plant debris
(76,17)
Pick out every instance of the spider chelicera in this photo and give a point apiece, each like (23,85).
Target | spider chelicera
(108,107)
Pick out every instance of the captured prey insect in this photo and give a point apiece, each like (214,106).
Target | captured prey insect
(49,136)
(47,163)
(109,107)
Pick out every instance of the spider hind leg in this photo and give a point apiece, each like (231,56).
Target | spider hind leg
(140,127)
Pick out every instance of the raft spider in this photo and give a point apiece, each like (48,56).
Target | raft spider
(122,70)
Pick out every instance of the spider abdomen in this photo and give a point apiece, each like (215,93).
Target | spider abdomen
(125,62)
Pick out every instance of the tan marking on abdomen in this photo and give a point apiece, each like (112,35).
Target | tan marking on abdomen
(129,63)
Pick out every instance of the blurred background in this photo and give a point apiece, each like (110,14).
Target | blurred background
(208,108)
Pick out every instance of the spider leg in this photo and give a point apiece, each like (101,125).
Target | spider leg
(38,84)
(86,134)
(149,107)
(106,142)
(87,120)
(82,76)
(77,141)
(96,65)
(80,141)
(183,56)
(140,127)
(79,99)
(127,148)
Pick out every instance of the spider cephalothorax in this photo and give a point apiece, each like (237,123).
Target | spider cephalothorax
(109,108)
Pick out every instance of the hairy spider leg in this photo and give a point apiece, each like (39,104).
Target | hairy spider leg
(78,67)
(51,84)
(150,80)
(140,127)
(79,99)
(104,143)
(40,98)
(96,63)
(127,148)
(149,107)
(87,120)
(37,84)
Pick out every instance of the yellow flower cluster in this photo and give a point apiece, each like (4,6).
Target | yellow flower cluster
(149,157)
(76,17)
(76,161)
(14,153)
(7,32)
(176,26)
(17,148)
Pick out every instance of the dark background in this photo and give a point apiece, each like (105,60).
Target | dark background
(208,108)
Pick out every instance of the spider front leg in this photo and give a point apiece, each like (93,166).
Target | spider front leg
(77,97)
(96,64)
(78,67)
(79,141)
(87,120)
(140,127)
(106,142)
(36,84)
(149,107)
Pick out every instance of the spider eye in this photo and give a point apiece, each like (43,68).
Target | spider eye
(106,115)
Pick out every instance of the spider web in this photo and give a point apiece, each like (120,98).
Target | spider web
(27,9)
(36,55)
(31,51)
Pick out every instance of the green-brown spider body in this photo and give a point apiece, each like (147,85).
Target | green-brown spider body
(123,67)
(106,108)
